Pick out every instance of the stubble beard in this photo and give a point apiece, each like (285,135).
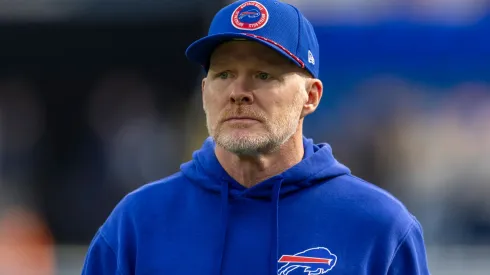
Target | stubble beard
(274,133)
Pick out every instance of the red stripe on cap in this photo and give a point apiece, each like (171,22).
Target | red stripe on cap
(280,46)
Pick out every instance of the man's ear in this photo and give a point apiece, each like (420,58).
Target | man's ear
(203,86)
(203,83)
(314,90)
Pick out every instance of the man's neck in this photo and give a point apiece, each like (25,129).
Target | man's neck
(249,171)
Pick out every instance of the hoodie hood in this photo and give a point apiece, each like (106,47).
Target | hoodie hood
(318,165)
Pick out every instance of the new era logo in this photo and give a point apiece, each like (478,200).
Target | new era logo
(311,58)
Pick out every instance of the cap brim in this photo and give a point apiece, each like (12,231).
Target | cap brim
(201,50)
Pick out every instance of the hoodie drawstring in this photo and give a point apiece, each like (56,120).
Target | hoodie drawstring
(275,227)
(224,223)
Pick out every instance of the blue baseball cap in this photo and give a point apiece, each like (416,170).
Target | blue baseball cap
(273,23)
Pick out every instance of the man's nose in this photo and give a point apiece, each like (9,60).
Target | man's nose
(242,92)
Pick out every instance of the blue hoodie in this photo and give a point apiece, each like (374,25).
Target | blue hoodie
(314,218)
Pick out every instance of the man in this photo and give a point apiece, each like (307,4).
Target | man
(258,197)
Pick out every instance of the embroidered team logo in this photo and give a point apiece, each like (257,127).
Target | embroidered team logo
(250,16)
(313,261)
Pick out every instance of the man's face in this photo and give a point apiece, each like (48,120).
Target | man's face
(253,98)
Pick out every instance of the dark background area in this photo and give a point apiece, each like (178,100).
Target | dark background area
(63,173)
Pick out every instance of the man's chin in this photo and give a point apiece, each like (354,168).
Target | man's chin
(243,135)
(250,145)
(241,144)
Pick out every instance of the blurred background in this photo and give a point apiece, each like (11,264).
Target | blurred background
(97,99)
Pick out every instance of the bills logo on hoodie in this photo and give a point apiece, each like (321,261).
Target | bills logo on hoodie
(313,261)
(250,16)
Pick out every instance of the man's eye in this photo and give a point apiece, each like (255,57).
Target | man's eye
(263,76)
(224,75)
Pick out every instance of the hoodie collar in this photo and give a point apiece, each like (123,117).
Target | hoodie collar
(318,164)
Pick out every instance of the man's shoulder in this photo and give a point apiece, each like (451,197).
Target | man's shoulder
(151,196)
(158,190)
(164,184)
(363,189)
(139,207)
(370,203)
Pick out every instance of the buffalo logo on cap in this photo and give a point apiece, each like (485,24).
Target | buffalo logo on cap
(250,16)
